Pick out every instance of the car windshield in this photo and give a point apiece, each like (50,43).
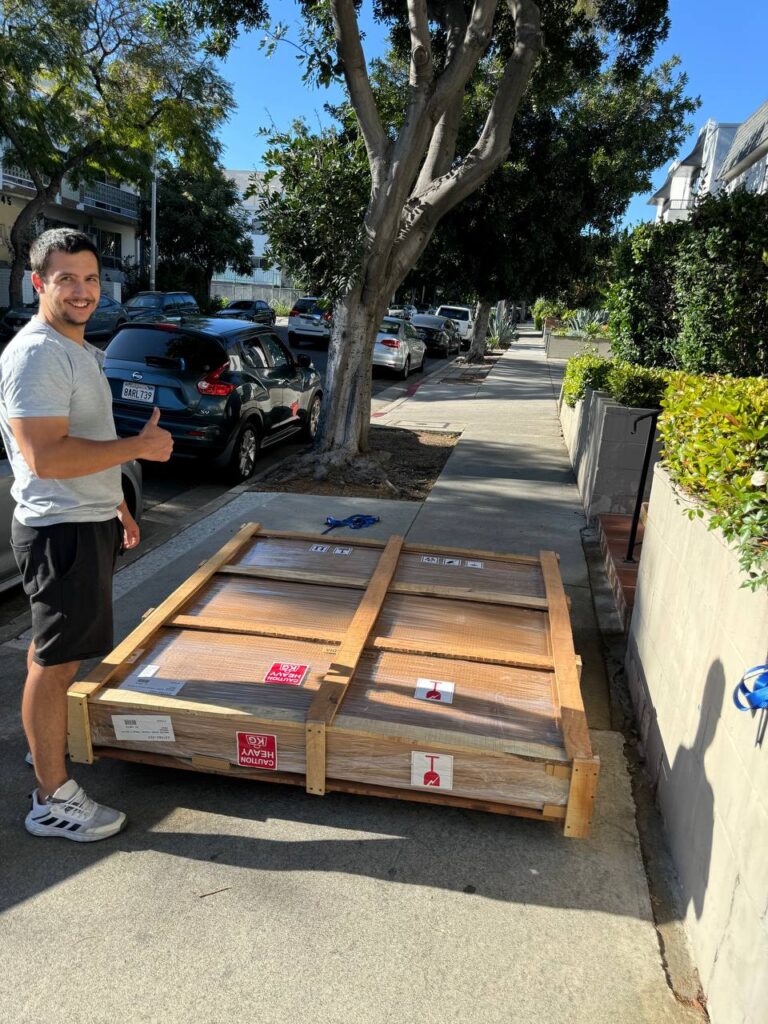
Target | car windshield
(308,306)
(454,313)
(136,345)
(145,301)
(389,326)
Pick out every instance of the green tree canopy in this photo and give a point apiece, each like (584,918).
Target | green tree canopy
(91,88)
(202,228)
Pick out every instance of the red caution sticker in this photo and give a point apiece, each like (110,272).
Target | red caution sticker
(286,673)
(257,750)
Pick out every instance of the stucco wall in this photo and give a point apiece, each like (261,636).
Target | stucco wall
(694,632)
(563,347)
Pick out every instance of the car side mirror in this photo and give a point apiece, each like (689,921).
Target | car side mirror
(303,360)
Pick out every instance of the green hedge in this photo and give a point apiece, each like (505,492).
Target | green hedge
(714,433)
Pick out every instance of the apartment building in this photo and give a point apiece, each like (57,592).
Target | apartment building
(107,211)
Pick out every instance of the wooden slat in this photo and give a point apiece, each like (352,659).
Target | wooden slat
(581,797)
(573,720)
(360,583)
(104,671)
(219,624)
(437,649)
(470,553)
(328,698)
(331,693)
(79,729)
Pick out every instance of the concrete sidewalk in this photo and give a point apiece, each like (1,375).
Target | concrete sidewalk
(227,900)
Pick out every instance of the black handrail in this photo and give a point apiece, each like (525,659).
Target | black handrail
(653,417)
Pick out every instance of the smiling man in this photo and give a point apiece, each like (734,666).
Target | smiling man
(70,519)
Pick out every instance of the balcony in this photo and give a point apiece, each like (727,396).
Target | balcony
(110,199)
(16,176)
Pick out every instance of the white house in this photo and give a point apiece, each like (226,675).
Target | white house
(724,158)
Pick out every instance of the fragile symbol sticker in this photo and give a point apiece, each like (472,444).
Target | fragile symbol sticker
(342,551)
(286,673)
(146,728)
(319,549)
(257,750)
(148,671)
(430,559)
(434,690)
(451,561)
(474,563)
(431,771)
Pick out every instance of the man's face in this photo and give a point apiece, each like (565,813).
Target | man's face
(70,290)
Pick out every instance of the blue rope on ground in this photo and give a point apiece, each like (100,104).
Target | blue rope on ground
(757,696)
(358,522)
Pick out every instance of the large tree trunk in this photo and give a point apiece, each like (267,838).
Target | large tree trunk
(344,422)
(476,352)
(22,235)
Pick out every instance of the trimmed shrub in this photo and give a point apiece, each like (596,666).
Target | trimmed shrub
(588,370)
(714,434)
(638,386)
(721,287)
(641,298)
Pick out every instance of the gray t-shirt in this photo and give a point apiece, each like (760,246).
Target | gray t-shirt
(42,373)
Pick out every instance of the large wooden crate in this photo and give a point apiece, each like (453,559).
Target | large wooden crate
(412,672)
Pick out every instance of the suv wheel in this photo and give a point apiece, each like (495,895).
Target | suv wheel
(313,419)
(245,453)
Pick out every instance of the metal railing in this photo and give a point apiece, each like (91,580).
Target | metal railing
(109,198)
(16,176)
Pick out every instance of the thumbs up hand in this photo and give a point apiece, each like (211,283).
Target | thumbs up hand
(156,443)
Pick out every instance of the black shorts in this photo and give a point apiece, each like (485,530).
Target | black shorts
(66,571)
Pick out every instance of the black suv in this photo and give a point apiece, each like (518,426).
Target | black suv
(225,388)
(161,306)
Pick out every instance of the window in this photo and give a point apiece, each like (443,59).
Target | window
(276,352)
(253,356)
(147,346)
(239,305)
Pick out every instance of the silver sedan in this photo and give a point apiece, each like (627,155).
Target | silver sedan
(398,347)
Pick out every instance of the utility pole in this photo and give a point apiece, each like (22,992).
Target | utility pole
(153,228)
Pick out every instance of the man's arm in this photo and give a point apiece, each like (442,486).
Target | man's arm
(51,453)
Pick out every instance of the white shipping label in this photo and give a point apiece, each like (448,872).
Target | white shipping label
(342,551)
(474,563)
(451,561)
(435,690)
(146,728)
(431,771)
(319,549)
(147,671)
(162,687)
(430,560)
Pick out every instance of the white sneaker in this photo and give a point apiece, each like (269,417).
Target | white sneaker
(71,814)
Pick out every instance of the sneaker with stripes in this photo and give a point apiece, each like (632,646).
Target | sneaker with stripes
(71,814)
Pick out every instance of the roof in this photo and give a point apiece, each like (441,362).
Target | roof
(749,144)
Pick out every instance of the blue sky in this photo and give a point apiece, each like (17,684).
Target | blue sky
(723,52)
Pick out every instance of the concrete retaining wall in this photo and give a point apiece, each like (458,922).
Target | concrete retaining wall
(606,456)
(694,632)
(559,347)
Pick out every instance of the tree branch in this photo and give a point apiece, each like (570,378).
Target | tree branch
(430,204)
(356,76)
(442,146)
(422,68)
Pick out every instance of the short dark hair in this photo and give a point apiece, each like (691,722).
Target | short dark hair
(59,240)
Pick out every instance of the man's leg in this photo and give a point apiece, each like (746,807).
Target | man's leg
(44,714)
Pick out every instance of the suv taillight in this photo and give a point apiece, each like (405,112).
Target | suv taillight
(294,312)
(211,384)
(328,315)
(390,343)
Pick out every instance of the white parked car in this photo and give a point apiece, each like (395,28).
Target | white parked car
(398,347)
(310,318)
(463,317)
(404,312)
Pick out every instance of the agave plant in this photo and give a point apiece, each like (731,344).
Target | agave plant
(588,323)
(504,333)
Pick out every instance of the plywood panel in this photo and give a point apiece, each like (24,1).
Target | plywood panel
(462,624)
(485,575)
(340,558)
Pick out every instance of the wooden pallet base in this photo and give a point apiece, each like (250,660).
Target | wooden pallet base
(434,675)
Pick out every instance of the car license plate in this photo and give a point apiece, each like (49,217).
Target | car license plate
(139,392)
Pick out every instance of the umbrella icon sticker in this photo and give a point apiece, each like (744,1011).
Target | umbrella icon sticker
(431,771)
